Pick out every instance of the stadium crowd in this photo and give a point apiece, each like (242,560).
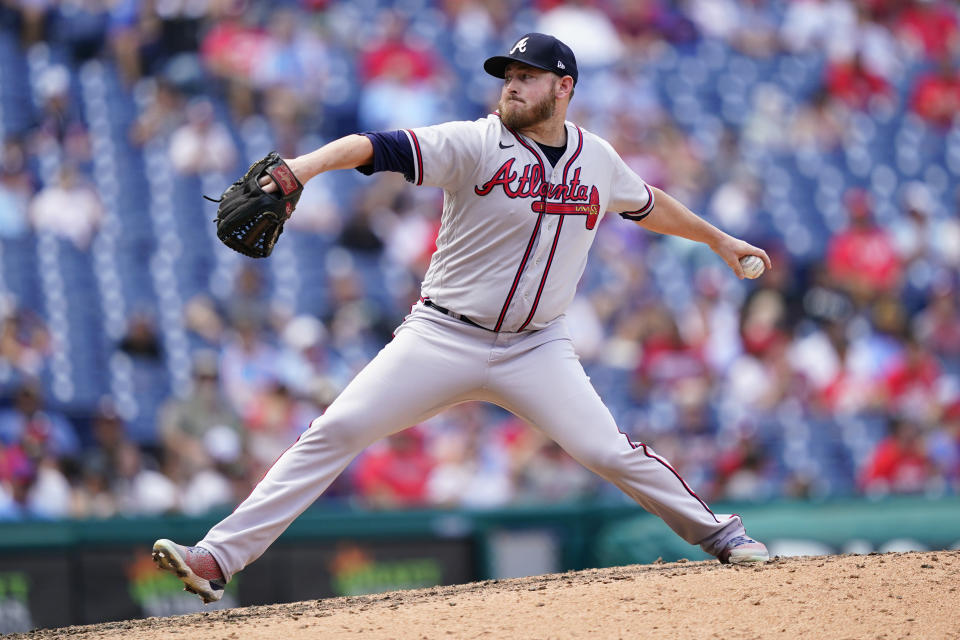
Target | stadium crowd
(834,374)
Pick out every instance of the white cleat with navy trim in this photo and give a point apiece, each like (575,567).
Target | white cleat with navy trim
(743,550)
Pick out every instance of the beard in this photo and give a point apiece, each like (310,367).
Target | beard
(516,115)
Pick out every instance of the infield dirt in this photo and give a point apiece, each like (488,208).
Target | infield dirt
(877,596)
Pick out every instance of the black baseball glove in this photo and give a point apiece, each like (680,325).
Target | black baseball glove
(249,219)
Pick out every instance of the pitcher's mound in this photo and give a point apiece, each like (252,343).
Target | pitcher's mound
(877,596)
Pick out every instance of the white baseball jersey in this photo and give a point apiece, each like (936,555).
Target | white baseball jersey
(515,231)
(513,243)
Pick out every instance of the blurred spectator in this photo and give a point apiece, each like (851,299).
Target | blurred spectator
(225,482)
(292,57)
(395,96)
(550,475)
(643,25)
(760,377)
(936,94)
(755,33)
(911,385)
(38,429)
(473,466)
(912,233)
(862,258)
(60,123)
(819,355)
(768,118)
(818,26)
(15,194)
(139,488)
(125,37)
(69,208)
(856,85)
(141,339)
(202,144)
(394,472)
(397,50)
(25,343)
(850,389)
(31,488)
(899,463)
(943,447)
(929,28)
(472,22)
(274,420)
(586,28)
(742,472)
(33,19)
(303,357)
(736,203)
(872,42)
(676,161)
(185,423)
(81,25)
(232,46)
(401,77)
(247,303)
(93,497)
(248,364)
(667,358)
(171,30)
(203,320)
(34,444)
(937,326)
(163,113)
(820,123)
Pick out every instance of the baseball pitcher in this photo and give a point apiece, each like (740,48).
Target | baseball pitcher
(524,192)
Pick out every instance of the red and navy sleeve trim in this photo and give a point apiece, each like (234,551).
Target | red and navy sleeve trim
(643,212)
(417,178)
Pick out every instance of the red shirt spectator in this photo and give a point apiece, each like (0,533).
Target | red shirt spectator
(396,474)
(395,52)
(854,84)
(938,325)
(912,382)
(863,258)
(667,358)
(936,95)
(929,26)
(232,48)
(898,464)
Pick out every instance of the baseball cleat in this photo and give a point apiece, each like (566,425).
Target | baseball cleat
(743,550)
(196,568)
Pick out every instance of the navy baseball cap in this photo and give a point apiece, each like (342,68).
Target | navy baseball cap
(537,50)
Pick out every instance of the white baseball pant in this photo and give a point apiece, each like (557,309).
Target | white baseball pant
(435,362)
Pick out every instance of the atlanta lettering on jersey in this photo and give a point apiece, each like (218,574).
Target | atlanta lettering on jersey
(531,184)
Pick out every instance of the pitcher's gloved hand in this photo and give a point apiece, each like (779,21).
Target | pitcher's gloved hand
(250,219)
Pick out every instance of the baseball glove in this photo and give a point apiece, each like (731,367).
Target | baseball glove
(249,219)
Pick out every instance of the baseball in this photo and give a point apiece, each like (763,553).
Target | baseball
(753,266)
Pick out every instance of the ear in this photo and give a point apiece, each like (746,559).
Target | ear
(564,87)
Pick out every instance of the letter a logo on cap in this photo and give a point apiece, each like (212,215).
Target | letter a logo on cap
(521,45)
